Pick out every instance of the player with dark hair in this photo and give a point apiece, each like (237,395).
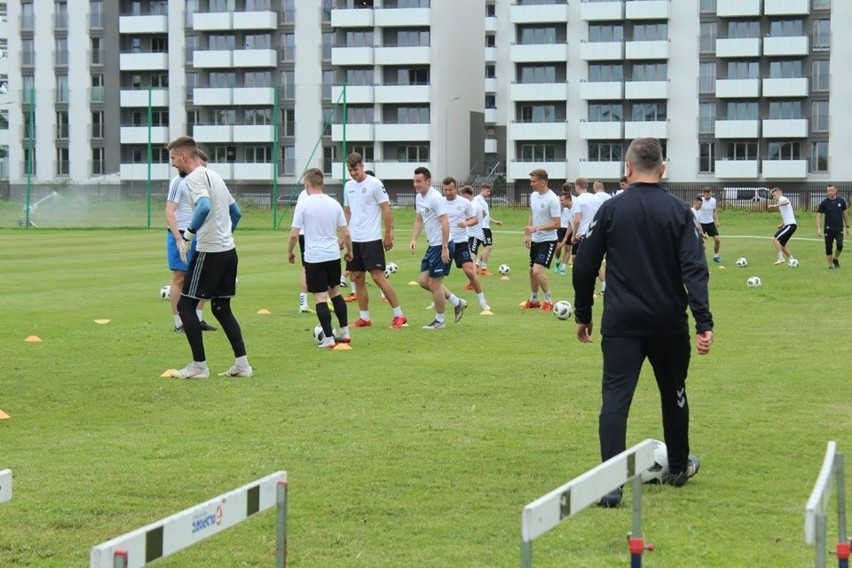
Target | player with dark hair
(833,210)
(786,228)
(656,268)
(540,238)
(487,219)
(461,215)
(708,216)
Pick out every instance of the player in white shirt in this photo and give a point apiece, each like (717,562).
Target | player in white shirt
(366,206)
(540,238)
(708,216)
(487,219)
(600,191)
(460,216)
(432,216)
(563,234)
(585,207)
(475,234)
(622,185)
(320,219)
(212,272)
(696,212)
(786,228)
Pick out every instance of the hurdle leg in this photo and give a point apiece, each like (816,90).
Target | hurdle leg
(843,548)
(635,541)
(526,554)
(281,526)
(119,559)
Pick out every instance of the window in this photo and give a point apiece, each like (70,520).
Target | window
(161,81)
(255,116)
(741,151)
(743,70)
(260,41)
(288,11)
(412,115)
(258,154)
(366,151)
(819,156)
(27,51)
(415,153)
(707,7)
(329,154)
(97,89)
(533,35)
(62,89)
(784,151)
(361,115)
(604,151)
(222,79)
(707,37)
(258,5)
(601,72)
(406,38)
(62,124)
(785,69)
(63,162)
(822,35)
(743,29)
(257,79)
(706,118)
(327,42)
(490,10)
(650,71)
(159,8)
(491,101)
(98,166)
(538,152)
(606,32)
(159,45)
(224,117)
(288,81)
(707,158)
(490,40)
(222,5)
(360,77)
(96,14)
(741,110)
(819,116)
(537,74)
(651,32)
(97,51)
(289,153)
(288,47)
(359,38)
(538,113)
(60,16)
(410,77)
(786,28)
(707,78)
(649,112)
(61,51)
(820,77)
(328,80)
(821,4)
(490,71)
(605,112)
(221,42)
(785,110)
(98,124)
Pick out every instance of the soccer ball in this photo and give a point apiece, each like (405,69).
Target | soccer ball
(753,282)
(793,263)
(504,269)
(319,334)
(655,473)
(562,309)
(166,292)
(392,267)
(742,262)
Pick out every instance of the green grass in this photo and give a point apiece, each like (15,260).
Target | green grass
(414,448)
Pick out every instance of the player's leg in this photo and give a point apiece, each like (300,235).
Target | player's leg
(541,264)
(838,239)
(622,361)
(174,290)
(828,239)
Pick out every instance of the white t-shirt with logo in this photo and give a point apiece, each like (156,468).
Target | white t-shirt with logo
(475,231)
(786,209)
(586,204)
(320,216)
(458,210)
(486,217)
(431,207)
(364,201)
(544,208)
(705,214)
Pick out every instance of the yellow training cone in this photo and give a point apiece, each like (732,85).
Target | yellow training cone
(168,373)
(412,283)
(486,313)
(341,347)
(33,339)
(3,415)
(504,278)
(102,321)
(264,312)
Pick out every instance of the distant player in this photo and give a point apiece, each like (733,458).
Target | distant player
(708,216)
(833,209)
(540,238)
(585,207)
(487,219)
(460,216)
(786,228)
(563,233)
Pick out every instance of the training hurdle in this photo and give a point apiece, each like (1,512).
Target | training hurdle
(551,509)
(5,485)
(817,506)
(181,530)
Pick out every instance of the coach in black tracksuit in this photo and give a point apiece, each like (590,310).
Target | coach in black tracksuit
(655,266)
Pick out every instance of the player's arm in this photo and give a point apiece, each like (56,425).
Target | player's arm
(291,244)
(415,232)
(235,214)
(347,214)
(716,216)
(495,221)
(445,238)
(575,227)
(819,223)
(171,207)
(346,240)
(387,217)
(846,220)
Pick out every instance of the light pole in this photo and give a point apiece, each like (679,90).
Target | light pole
(447,135)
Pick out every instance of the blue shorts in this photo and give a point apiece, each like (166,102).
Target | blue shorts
(461,254)
(433,264)
(173,256)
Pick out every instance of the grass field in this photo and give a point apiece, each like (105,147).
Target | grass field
(415,448)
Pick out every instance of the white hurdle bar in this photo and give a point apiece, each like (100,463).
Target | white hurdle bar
(181,530)
(551,509)
(817,507)
(5,485)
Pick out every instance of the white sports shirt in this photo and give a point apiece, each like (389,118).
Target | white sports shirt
(786,209)
(705,214)
(179,194)
(303,194)
(567,215)
(431,207)
(586,204)
(215,234)
(475,231)
(363,200)
(458,211)
(544,208)
(320,216)
(602,195)
(485,222)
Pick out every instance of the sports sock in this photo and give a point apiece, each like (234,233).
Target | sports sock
(534,297)
(481,298)
(454,300)
(397,311)
(364,315)
(439,317)
(303,300)
(176,317)
(200,314)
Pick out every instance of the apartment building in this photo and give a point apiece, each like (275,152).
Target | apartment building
(739,91)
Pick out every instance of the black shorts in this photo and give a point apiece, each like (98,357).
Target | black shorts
(367,257)
(784,233)
(487,241)
(473,245)
(302,249)
(710,229)
(560,234)
(833,236)
(576,249)
(211,275)
(320,276)
(461,254)
(542,253)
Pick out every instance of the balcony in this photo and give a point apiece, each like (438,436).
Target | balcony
(214,58)
(490,24)
(737,129)
(402,133)
(539,91)
(786,7)
(402,93)
(252,171)
(602,170)
(354,132)
(785,128)
(538,131)
(490,54)
(255,20)
(253,96)
(785,169)
(737,47)
(402,55)
(159,172)
(646,129)
(490,145)
(144,61)
(539,53)
(603,90)
(352,18)
(212,96)
(490,85)
(737,8)
(737,169)
(646,90)
(253,133)
(346,56)
(255,58)
(785,46)
(491,115)
(402,17)
(399,170)
(213,133)
(792,87)
(601,50)
(139,135)
(647,49)
(212,21)
(601,130)
(737,88)
(143,25)
(539,14)
(355,94)
(648,10)
(601,11)
(139,97)
(521,170)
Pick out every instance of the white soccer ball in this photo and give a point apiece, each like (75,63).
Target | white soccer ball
(563,309)
(319,334)
(742,262)
(166,292)
(392,267)
(793,263)
(655,473)
(753,282)
(504,269)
